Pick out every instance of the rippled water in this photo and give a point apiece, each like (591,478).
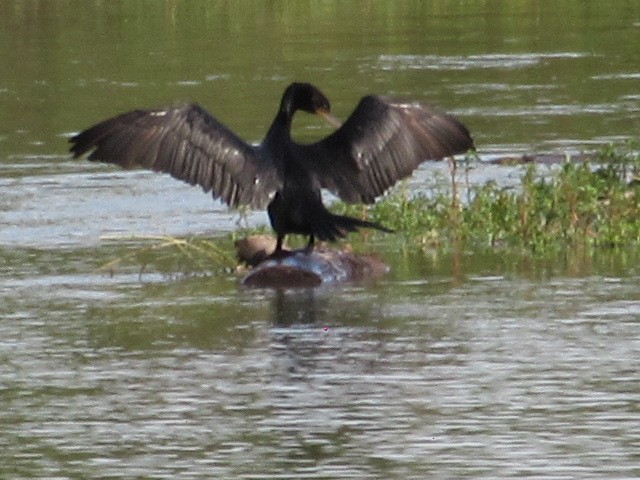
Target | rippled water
(497,377)
(477,366)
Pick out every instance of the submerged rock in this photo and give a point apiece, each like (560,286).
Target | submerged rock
(299,269)
(254,249)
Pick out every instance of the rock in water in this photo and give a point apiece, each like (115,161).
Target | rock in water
(299,269)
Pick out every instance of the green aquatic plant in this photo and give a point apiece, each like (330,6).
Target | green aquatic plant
(587,204)
(170,254)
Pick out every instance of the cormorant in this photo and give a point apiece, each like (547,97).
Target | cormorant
(382,141)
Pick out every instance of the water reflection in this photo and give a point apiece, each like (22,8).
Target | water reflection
(490,375)
(465,367)
(320,307)
(297,307)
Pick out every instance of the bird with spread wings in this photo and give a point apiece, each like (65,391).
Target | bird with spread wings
(382,141)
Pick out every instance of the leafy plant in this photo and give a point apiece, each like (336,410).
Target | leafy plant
(594,204)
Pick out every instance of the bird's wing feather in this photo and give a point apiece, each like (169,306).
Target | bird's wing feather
(382,141)
(188,143)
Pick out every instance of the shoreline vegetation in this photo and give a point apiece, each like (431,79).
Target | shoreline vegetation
(580,204)
(580,201)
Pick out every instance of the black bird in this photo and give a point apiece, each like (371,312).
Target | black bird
(382,141)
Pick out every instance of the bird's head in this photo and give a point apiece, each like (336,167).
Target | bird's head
(306,97)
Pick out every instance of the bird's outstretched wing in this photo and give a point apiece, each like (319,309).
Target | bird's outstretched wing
(188,143)
(382,141)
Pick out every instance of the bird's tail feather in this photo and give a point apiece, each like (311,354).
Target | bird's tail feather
(337,226)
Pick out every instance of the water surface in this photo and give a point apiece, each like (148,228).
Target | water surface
(454,366)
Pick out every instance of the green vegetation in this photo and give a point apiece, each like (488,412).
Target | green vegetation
(591,204)
(170,255)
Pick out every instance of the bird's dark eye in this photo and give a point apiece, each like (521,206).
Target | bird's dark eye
(320,101)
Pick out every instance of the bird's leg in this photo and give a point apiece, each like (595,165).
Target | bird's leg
(309,248)
(278,253)
(278,245)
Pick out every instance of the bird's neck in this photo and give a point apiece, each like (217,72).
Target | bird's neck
(280,129)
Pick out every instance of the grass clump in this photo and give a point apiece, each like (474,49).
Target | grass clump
(590,204)
(170,254)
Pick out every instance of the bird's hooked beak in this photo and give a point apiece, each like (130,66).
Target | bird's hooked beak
(328,117)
